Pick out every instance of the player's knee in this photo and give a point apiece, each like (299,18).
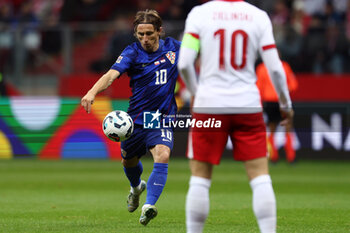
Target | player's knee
(256,167)
(162,156)
(125,162)
(130,162)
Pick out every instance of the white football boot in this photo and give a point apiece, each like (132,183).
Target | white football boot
(133,199)
(148,212)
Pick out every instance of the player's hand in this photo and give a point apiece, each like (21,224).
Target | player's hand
(87,101)
(287,117)
(191,103)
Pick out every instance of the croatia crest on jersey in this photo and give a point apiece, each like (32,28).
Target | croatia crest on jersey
(171,56)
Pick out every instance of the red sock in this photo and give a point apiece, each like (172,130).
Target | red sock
(290,152)
(272,148)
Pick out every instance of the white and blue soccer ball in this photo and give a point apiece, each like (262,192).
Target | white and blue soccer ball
(118,126)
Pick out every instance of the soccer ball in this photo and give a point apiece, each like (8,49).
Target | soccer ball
(118,126)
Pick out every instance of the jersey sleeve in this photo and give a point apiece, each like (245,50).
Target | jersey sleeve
(267,40)
(124,61)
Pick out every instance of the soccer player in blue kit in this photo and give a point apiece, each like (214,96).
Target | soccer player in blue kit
(151,64)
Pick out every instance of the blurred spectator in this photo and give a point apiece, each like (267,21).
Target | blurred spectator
(312,7)
(279,18)
(80,10)
(305,30)
(326,44)
(43,8)
(347,21)
(93,10)
(313,44)
(179,9)
(162,6)
(174,12)
(27,23)
(335,48)
(340,6)
(6,35)
(51,34)
(290,46)
(299,19)
(280,14)
(264,5)
(145,4)
(329,15)
(122,37)
(271,108)
(6,42)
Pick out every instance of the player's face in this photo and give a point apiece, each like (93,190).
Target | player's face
(148,37)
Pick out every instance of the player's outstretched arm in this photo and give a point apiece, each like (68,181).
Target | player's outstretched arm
(103,83)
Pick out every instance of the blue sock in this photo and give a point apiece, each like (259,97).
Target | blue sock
(156,182)
(134,174)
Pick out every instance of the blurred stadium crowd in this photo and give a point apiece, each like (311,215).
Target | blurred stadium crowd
(312,35)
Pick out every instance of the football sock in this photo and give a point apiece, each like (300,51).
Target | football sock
(156,182)
(290,152)
(273,151)
(264,203)
(134,175)
(197,204)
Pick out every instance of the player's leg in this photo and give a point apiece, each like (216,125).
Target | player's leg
(264,201)
(133,168)
(156,182)
(274,117)
(160,143)
(197,199)
(205,147)
(249,141)
(288,147)
(273,152)
(159,175)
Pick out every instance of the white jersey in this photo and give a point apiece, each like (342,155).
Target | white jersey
(230,33)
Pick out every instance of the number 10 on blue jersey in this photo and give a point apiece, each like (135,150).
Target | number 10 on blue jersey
(161,77)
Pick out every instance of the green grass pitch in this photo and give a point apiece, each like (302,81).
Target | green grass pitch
(90,196)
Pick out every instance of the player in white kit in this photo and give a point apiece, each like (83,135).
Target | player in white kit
(229,35)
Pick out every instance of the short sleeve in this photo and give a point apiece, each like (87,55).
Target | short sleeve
(124,61)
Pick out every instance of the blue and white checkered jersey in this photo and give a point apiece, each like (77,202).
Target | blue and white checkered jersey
(152,77)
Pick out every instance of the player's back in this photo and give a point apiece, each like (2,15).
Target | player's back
(230,34)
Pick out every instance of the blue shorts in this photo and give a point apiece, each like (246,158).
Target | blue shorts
(142,140)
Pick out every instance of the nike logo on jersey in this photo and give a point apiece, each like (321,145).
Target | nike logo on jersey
(166,140)
(156,184)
